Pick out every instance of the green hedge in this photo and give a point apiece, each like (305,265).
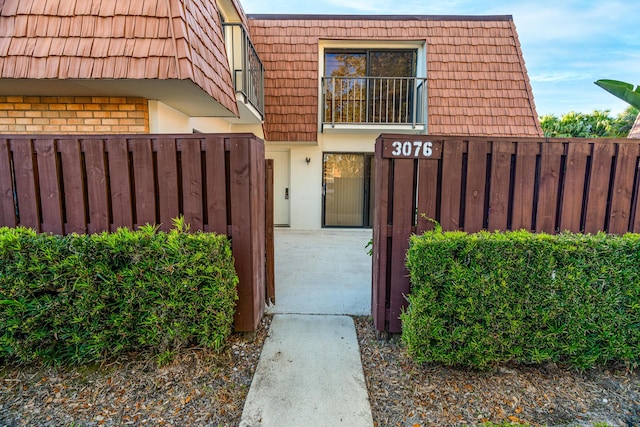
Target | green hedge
(79,299)
(482,299)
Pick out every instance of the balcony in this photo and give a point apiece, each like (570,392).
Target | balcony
(374,103)
(247,72)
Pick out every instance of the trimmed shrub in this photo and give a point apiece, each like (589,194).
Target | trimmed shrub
(79,299)
(482,299)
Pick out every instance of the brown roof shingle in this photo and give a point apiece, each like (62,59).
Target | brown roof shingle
(106,39)
(477,79)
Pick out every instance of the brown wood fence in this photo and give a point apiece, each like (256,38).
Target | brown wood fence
(88,184)
(470,184)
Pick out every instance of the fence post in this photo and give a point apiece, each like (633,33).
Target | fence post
(247,191)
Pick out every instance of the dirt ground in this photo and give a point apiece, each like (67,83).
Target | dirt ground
(199,388)
(404,394)
(202,388)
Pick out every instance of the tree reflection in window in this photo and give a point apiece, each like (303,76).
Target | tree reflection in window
(369,86)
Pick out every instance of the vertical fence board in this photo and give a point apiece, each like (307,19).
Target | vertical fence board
(192,182)
(451,184)
(96,185)
(550,163)
(269,235)
(500,180)
(380,267)
(573,192)
(524,185)
(25,176)
(168,192)
(403,212)
(598,192)
(143,172)
(427,194)
(73,181)
(241,231)
(120,183)
(476,183)
(216,184)
(7,204)
(49,182)
(258,225)
(626,164)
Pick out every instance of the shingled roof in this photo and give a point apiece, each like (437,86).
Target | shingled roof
(477,80)
(105,39)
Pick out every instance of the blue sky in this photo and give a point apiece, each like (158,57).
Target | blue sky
(567,45)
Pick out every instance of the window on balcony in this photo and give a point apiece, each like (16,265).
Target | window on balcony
(372,87)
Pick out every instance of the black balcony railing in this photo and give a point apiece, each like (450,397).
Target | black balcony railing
(374,100)
(246,68)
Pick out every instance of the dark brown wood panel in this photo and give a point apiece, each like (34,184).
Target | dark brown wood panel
(26,179)
(168,192)
(403,212)
(192,183)
(96,185)
(573,192)
(216,177)
(257,207)
(380,248)
(427,195)
(7,205)
(241,232)
(74,185)
(143,172)
(598,192)
(451,184)
(524,185)
(626,165)
(500,182)
(269,235)
(476,185)
(49,183)
(120,183)
(550,164)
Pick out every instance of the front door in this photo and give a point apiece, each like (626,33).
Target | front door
(280,187)
(346,189)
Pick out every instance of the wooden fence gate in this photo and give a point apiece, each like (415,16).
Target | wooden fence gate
(475,183)
(87,184)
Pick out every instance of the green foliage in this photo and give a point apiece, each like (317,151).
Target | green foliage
(598,124)
(482,299)
(622,90)
(82,299)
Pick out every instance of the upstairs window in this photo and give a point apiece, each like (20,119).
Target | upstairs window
(370,86)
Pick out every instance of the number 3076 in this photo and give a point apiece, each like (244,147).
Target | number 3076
(412,149)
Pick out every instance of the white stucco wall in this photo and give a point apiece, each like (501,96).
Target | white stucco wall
(306,180)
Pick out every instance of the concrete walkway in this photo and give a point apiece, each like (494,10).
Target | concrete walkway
(310,373)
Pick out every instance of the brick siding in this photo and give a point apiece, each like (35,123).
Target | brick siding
(68,115)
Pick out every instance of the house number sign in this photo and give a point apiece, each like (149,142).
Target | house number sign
(410,149)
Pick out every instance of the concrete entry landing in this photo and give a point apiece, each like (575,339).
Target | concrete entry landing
(324,271)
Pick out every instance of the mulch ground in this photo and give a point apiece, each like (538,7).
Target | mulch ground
(199,388)
(405,394)
(202,388)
